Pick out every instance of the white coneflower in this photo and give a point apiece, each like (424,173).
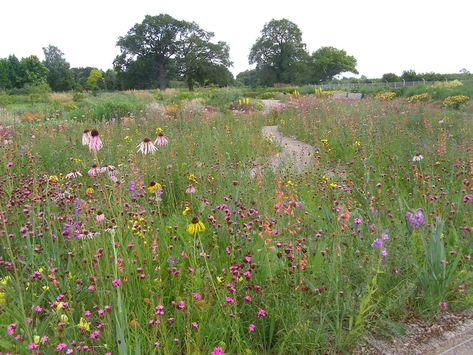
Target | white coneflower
(160,139)
(73,174)
(86,137)
(146,147)
(417,157)
(95,143)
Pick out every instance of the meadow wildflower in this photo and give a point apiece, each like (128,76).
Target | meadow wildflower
(160,139)
(146,147)
(251,328)
(100,217)
(94,171)
(217,351)
(195,226)
(261,313)
(417,157)
(415,219)
(95,143)
(116,282)
(86,137)
(190,189)
(73,174)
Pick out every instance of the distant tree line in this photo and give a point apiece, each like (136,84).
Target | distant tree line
(162,51)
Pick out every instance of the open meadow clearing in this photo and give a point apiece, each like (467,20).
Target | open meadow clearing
(144,230)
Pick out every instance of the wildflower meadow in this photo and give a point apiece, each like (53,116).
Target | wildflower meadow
(144,232)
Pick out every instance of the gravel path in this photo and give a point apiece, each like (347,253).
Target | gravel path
(295,156)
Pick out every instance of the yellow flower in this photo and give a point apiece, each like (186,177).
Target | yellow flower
(45,288)
(77,160)
(153,186)
(53,178)
(219,279)
(192,178)
(195,226)
(333,185)
(289,183)
(83,324)
(324,142)
(2,298)
(127,139)
(40,269)
(4,281)
(36,339)
(159,130)
(186,211)
(64,318)
(89,190)
(59,306)
(357,143)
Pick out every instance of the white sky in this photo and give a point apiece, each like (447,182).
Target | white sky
(384,36)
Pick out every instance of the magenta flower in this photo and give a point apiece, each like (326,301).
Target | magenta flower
(61,346)
(415,219)
(261,313)
(251,327)
(217,351)
(116,282)
(357,220)
(443,305)
(11,329)
(230,299)
(95,334)
(190,189)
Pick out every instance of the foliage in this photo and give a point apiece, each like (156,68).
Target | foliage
(59,74)
(95,79)
(390,78)
(327,62)
(277,51)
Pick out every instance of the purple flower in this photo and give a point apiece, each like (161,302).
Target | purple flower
(116,282)
(415,219)
(377,243)
(217,351)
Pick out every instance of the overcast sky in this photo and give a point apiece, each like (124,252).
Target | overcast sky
(384,36)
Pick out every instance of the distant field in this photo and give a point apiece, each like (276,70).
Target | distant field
(105,249)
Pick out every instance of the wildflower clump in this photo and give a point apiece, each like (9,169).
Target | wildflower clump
(424,97)
(386,95)
(455,101)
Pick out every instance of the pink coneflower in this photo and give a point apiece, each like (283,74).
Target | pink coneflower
(160,139)
(73,174)
(190,189)
(95,144)
(109,169)
(94,170)
(146,146)
(86,137)
(100,217)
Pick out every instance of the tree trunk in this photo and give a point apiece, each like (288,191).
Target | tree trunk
(190,84)
(161,75)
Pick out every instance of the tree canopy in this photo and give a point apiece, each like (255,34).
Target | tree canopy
(277,51)
(327,62)
(59,75)
(170,49)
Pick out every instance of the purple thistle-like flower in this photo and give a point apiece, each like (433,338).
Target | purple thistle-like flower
(377,243)
(415,219)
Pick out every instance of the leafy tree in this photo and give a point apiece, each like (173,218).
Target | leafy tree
(110,80)
(197,55)
(60,76)
(390,77)
(80,76)
(327,62)
(156,38)
(248,78)
(33,72)
(277,51)
(139,73)
(4,74)
(15,76)
(409,75)
(95,79)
